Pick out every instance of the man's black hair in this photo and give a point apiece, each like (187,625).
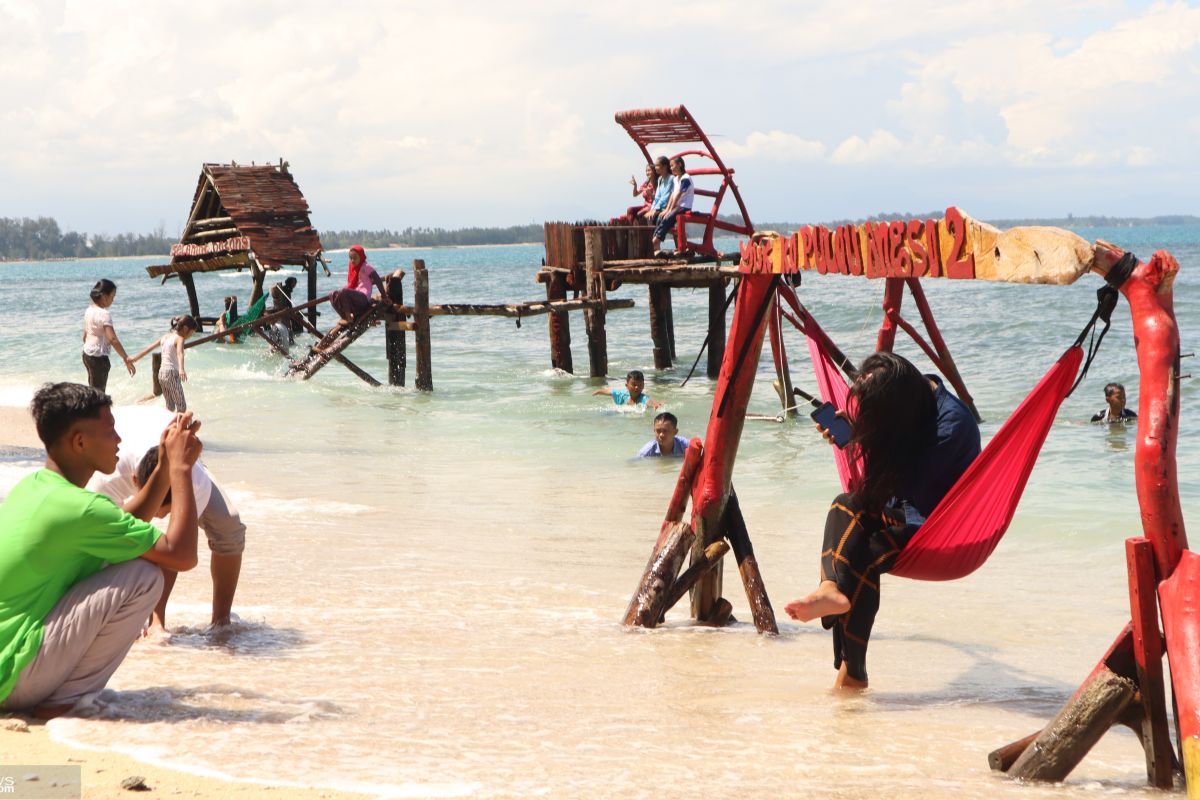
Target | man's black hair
(634,373)
(146,467)
(669,417)
(57,406)
(1110,388)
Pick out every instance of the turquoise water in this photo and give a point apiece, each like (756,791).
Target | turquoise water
(433,581)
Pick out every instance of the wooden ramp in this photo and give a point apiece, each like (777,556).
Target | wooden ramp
(332,345)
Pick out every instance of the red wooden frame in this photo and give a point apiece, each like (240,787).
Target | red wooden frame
(649,126)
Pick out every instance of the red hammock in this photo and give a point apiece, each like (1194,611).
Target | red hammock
(971,519)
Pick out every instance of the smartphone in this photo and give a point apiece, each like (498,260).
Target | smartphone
(826,416)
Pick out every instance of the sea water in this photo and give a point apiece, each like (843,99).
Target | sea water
(433,583)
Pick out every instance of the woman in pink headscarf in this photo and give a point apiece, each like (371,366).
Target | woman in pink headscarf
(355,297)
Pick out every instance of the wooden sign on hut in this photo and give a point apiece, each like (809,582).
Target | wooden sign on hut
(244,217)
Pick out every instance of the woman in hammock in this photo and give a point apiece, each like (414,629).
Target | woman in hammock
(915,439)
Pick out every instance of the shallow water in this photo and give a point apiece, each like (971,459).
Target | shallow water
(433,583)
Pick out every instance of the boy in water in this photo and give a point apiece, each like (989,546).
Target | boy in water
(1115,413)
(666,441)
(632,394)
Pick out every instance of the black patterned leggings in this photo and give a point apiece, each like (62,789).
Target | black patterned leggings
(859,547)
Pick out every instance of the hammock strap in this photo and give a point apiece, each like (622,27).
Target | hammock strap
(1106,302)
(703,347)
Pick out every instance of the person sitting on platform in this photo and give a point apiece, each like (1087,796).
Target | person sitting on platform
(915,440)
(641,212)
(663,188)
(631,394)
(666,441)
(79,576)
(680,203)
(140,429)
(1115,413)
(354,299)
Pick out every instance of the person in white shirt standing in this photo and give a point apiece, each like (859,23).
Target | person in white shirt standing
(140,429)
(99,336)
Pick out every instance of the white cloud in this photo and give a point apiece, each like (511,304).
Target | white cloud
(855,150)
(774,144)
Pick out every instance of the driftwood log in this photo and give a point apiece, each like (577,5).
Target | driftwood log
(650,598)
(734,529)
(421,318)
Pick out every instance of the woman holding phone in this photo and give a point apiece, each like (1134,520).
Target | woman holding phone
(915,439)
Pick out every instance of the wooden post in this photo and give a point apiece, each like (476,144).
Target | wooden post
(660,309)
(1148,652)
(189,283)
(670,318)
(421,318)
(756,591)
(893,296)
(1001,759)
(594,317)
(312,288)
(155,365)
(396,346)
(650,598)
(716,328)
(725,428)
(559,324)
(695,571)
(1068,738)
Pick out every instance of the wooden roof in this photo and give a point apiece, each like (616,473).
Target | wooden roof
(234,203)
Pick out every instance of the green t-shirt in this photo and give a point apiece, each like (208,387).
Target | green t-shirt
(53,534)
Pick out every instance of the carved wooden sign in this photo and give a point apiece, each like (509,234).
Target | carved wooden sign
(234,244)
(954,246)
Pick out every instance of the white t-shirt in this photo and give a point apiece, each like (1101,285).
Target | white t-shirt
(95,339)
(140,428)
(170,356)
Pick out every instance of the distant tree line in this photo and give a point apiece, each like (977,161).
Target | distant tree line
(29,239)
(432,237)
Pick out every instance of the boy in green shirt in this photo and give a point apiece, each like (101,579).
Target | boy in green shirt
(79,576)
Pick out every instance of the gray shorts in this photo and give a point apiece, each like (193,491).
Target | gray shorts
(223,525)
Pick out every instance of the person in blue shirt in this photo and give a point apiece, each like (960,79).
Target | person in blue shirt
(915,439)
(666,441)
(663,190)
(631,394)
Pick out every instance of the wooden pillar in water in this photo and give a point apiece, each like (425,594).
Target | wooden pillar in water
(421,319)
(716,328)
(189,283)
(397,347)
(559,324)
(660,324)
(259,274)
(312,288)
(594,317)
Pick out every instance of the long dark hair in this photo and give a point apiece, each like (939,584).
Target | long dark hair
(103,286)
(894,415)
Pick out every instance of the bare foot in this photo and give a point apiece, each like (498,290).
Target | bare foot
(156,633)
(844,681)
(824,602)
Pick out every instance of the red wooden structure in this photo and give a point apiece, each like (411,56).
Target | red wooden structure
(1163,574)
(651,126)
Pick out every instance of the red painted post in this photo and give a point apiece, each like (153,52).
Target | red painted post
(725,424)
(1156,336)
(948,367)
(893,296)
(1180,595)
(1148,653)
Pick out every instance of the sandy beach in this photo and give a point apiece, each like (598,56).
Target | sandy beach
(28,741)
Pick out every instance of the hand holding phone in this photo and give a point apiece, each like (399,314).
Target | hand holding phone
(835,426)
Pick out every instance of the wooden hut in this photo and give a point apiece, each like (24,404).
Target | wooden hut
(244,217)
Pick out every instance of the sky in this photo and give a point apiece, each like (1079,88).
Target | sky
(451,114)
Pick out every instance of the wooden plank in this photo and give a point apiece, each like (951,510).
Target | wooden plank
(517,310)
(594,317)
(1148,652)
(265,319)
(421,315)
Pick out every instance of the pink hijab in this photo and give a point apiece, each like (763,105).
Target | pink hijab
(352,271)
